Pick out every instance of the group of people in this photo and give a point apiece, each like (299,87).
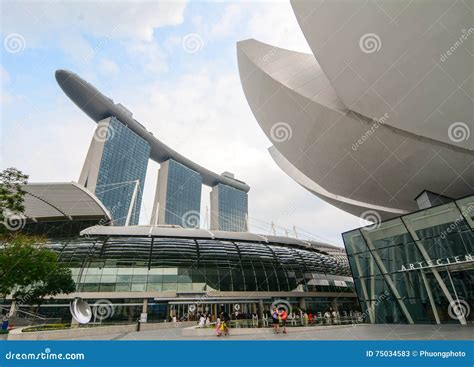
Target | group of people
(204,319)
(279,317)
(223,324)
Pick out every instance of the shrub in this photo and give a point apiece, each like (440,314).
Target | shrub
(46,327)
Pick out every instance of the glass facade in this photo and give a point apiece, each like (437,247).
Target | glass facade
(183,196)
(181,277)
(232,209)
(156,264)
(417,268)
(124,160)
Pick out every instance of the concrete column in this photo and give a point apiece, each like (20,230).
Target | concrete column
(130,314)
(159,203)
(260,309)
(302,303)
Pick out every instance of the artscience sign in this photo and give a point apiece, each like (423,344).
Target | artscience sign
(448,261)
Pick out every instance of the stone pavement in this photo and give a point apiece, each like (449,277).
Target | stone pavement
(358,332)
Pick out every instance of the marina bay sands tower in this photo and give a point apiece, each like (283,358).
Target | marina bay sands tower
(117,160)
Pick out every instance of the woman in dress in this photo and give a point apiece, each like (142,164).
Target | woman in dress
(275,320)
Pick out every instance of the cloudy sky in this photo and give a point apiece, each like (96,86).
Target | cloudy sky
(174,65)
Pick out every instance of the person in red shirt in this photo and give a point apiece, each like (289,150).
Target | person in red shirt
(283,317)
(310,317)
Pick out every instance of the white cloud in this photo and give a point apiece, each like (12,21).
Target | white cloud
(5,97)
(63,24)
(276,24)
(76,47)
(121,19)
(108,67)
(227,22)
(149,55)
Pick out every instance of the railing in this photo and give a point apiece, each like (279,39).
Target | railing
(297,322)
(37,316)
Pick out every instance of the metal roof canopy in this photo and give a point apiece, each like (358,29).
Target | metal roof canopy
(201,234)
(62,200)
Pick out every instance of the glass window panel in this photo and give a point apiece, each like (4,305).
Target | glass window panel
(184,279)
(185,287)
(437,221)
(170,271)
(125,271)
(108,279)
(91,287)
(107,287)
(138,287)
(124,278)
(170,287)
(155,278)
(122,287)
(390,233)
(139,278)
(154,287)
(140,271)
(157,271)
(170,278)
(354,242)
(109,271)
(91,279)
(467,209)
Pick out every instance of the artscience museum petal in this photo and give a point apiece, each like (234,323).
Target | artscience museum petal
(355,162)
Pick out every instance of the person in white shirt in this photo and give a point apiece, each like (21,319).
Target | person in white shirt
(327,317)
(202,321)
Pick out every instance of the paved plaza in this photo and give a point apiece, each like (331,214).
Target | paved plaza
(358,332)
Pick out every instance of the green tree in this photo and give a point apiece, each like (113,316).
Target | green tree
(30,271)
(11,198)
